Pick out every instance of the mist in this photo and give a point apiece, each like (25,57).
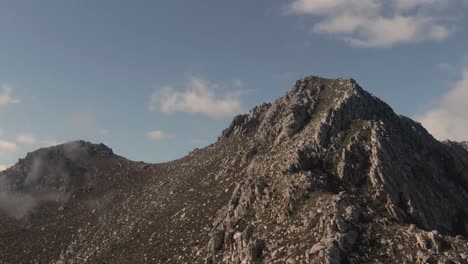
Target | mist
(49,178)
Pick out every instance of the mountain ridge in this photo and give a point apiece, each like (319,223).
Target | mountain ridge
(326,174)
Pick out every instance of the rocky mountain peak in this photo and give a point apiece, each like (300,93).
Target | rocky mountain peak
(338,85)
(320,104)
(333,125)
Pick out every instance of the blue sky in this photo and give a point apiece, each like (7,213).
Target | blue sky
(155,79)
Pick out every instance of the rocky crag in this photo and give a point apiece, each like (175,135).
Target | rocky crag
(326,174)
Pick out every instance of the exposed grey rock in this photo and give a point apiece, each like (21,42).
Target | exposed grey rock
(325,130)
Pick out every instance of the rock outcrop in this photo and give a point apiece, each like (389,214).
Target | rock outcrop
(326,174)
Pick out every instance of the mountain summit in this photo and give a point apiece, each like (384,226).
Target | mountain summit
(326,174)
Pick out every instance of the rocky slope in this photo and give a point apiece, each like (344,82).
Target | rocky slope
(326,174)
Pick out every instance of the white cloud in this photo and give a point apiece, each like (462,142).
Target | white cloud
(449,119)
(7,147)
(27,139)
(198,98)
(159,135)
(380,23)
(6,96)
(3,167)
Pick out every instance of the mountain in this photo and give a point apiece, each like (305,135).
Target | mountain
(326,174)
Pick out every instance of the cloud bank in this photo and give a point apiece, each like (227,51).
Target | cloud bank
(199,97)
(449,119)
(381,23)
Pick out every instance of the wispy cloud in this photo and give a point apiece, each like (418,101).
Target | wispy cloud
(18,204)
(104,132)
(380,23)
(449,119)
(159,135)
(7,147)
(199,97)
(27,139)
(6,95)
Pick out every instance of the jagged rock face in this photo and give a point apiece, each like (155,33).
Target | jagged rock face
(331,135)
(326,174)
(335,126)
